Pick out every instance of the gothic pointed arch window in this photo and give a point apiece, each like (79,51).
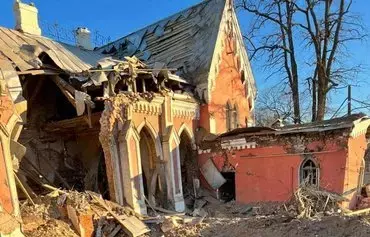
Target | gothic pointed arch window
(242,77)
(235,116)
(228,116)
(309,172)
(232,117)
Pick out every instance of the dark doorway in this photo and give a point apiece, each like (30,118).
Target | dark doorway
(227,190)
(102,178)
(188,163)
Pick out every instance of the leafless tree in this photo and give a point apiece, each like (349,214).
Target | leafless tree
(278,43)
(286,31)
(276,103)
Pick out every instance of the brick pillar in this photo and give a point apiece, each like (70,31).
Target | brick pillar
(130,167)
(9,131)
(171,157)
(120,142)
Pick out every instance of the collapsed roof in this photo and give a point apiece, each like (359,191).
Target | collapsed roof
(319,126)
(185,41)
(187,44)
(26,52)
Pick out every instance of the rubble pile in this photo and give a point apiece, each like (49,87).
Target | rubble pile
(72,213)
(313,202)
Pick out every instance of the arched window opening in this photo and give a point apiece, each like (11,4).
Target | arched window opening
(188,164)
(228,117)
(148,164)
(232,117)
(235,116)
(242,77)
(309,173)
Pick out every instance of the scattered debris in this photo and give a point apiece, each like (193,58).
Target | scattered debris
(72,213)
(312,201)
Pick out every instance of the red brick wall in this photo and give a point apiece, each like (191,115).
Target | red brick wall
(356,151)
(272,174)
(228,86)
(5,195)
(6,111)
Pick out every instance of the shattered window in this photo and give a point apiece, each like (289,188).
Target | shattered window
(309,172)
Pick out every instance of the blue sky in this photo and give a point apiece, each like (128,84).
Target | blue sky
(116,18)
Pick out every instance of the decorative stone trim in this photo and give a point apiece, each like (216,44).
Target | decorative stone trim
(229,25)
(153,107)
(147,108)
(185,109)
(204,151)
(360,127)
(237,144)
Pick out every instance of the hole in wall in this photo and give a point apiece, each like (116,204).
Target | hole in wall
(227,190)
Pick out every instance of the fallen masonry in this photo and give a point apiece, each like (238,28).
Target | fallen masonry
(154,134)
(72,213)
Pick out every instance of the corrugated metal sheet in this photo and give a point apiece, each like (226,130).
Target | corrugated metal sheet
(23,50)
(184,41)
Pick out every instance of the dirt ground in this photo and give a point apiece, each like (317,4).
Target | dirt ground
(228,220)
(278,227)
(271,220)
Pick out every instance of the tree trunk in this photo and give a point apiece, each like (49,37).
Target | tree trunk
(314,101)
(293,63)
(321,94)
(296,107)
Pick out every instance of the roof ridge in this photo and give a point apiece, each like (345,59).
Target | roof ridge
(203,2)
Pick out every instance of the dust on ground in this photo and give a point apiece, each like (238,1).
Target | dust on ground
(44,219)
(269,220)
(212,218)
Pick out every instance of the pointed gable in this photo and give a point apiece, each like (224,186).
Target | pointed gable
(185,41)
(229,29)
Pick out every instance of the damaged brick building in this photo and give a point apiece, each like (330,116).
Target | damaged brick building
(269,164)
(124,119)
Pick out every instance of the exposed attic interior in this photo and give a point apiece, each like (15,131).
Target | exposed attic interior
(63,112)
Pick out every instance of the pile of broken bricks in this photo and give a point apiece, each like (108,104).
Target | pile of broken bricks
(90,215)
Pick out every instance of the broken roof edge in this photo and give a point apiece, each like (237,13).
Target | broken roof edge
(227,14)
(212,74)
(356,124)
(151,25)
(244,53)
(25,49)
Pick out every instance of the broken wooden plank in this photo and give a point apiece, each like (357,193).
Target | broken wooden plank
(60,83)
(358,212)
(72,215)
(23,188)
(131,225)
(135,226)
(38,72)
(168,211)
(67,87)
(54,189)
(115,231)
